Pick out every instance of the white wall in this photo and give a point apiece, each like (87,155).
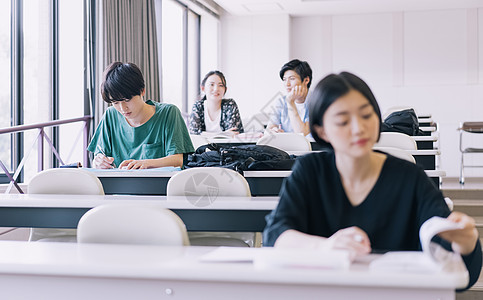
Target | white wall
(253,49)
(426,59)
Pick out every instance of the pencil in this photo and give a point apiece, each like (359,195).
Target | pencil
(104,153)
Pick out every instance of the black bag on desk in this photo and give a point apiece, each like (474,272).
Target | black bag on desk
(241,158)
(404,121)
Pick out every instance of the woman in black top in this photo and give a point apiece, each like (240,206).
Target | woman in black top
(354,198)
(223,113)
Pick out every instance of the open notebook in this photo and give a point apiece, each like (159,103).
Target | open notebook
(433,258)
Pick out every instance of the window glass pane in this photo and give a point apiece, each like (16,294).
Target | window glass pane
(5,61)
(71,78)
(172,52)
(209,44)
(193,60)
(37,75)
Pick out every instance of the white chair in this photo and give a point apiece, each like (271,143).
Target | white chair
(208,183)
(198,140)
(396,152)
(396,140)
(62,181)
(449,202)
(132,224)
(286,141)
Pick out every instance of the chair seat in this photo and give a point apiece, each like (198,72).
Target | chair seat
(473,150)
(474,127)
(217,242)
(469,127)
(216,239)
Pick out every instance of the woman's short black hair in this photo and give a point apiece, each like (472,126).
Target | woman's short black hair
(302,68)
(122,81)
(331,88)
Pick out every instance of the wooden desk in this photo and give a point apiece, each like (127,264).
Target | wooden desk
(428,130)
(270,182)
(425,142)
(425,122)
(135,182)
(426,158)
(149,182)
(100,271)
(64,211)
(262,183)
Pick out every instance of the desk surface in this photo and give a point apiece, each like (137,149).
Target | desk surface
(170,202)
(140,182)
(425,138)
(418,152)
(428,128)
(198,213)
(153,272)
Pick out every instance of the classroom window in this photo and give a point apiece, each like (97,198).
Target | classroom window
(71,78)
(42,49)
(37,75)
(5,60)
(172,52)
(193,48)
(182,54)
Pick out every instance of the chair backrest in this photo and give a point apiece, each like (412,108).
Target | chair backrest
(396,152)
(396,140)
(132,224)
(287,141)
(65,181)
(208,181)
(198,140)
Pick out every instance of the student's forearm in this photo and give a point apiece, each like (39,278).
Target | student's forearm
(175,160)
(297,124)
(295,239)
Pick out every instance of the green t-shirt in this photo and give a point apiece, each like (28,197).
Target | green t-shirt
(163,135)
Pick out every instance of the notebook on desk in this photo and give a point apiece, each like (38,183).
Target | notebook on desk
(433,258)
(117,170)
(269,257)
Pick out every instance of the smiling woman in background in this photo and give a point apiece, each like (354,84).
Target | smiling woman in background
(357,199)
(212,113)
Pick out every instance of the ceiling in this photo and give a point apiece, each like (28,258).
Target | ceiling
(331,7)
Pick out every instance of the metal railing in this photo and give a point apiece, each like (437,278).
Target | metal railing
(41,136)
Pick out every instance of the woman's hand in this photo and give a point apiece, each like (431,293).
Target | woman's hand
(232,131)
(353,239)
(463,240)
(129,164)
(103,162)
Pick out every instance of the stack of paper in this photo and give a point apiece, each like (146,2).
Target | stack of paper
(282,258)
(432,258)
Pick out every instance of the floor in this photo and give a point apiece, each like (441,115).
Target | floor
(470,183)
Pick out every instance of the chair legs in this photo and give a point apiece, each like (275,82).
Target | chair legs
(462,176)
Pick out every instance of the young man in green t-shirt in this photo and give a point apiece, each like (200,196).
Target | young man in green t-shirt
(134,134)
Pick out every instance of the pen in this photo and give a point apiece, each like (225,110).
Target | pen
(103,153)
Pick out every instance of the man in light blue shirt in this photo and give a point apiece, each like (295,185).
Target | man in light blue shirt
(290,113)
